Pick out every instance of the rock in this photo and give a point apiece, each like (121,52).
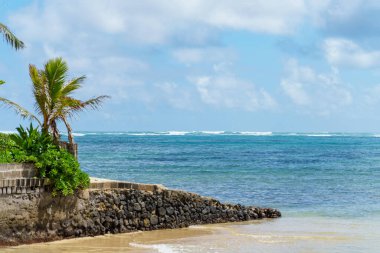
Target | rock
(170,210)
(146,222)
(154,220)
(161,211)
(96,212)
(137,207)
(206,210)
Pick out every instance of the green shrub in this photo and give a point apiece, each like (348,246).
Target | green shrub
(6,145)
(63,171)
(32,141)
(59,166)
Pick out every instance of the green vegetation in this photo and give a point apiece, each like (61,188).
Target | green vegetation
(17,44)
(53,96)
(10,38)
(6,145)
(31,145)
(52,92)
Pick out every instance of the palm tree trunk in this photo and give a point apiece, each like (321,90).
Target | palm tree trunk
(55,133)
(69,131)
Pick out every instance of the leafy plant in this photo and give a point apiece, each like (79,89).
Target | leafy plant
(6,145)
(32,141)
(53,94)
(59,166)
(63,171)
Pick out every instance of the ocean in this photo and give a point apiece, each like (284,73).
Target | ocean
(327,186)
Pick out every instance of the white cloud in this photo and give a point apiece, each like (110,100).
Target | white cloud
(343,52)
(278,17)
(322,93)
(200,55)
(177,96)
(227,91)
(347,18)
(112,42)
(155,21)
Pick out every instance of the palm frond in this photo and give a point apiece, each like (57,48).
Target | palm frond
(73,85)
(39,92)
(79,106)
(10,38)
(25,114)
(94,103)
(53,95)
(71,107)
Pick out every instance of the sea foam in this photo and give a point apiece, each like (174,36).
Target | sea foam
(161,248)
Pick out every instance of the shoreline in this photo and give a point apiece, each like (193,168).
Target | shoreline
(111,206)
(316,234)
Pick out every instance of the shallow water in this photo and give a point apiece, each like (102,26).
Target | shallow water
(326,185)
(305,174)
(288,235)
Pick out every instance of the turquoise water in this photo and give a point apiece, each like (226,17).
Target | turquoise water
(327,186)
(333,175)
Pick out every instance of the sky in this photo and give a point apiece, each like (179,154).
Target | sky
(192,65)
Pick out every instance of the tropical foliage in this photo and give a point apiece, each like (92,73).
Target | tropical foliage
(33,146)
(5,148)
(63,170)
(31,141)
(54,101)
(10,38)
(53,94)
(17,44)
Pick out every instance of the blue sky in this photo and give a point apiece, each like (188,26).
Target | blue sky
(256,65)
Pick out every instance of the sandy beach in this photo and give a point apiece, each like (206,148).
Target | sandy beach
(292,234)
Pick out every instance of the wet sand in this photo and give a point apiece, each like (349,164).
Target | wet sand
(293,234)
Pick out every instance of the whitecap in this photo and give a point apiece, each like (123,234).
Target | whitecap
(78,134)
(318,135)
(176,133)
(161,248)
(212,132)
(143,134)
(256,133)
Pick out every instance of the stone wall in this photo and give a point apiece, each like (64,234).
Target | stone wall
(20,179)
(36,216)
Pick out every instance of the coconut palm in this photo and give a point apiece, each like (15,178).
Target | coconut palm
(10,38)
(17,44)
(24,113)
(53,96)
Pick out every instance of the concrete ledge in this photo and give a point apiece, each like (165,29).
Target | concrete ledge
(23,185)
(10,185)
(17,170)
(24,182)
(100,183)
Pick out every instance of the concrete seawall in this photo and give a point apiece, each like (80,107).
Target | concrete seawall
(109,207)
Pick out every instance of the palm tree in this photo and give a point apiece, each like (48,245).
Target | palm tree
(24,113)
(17,44)
(10,38)
(53,96)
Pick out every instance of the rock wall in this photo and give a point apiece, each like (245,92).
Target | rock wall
(36,216)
